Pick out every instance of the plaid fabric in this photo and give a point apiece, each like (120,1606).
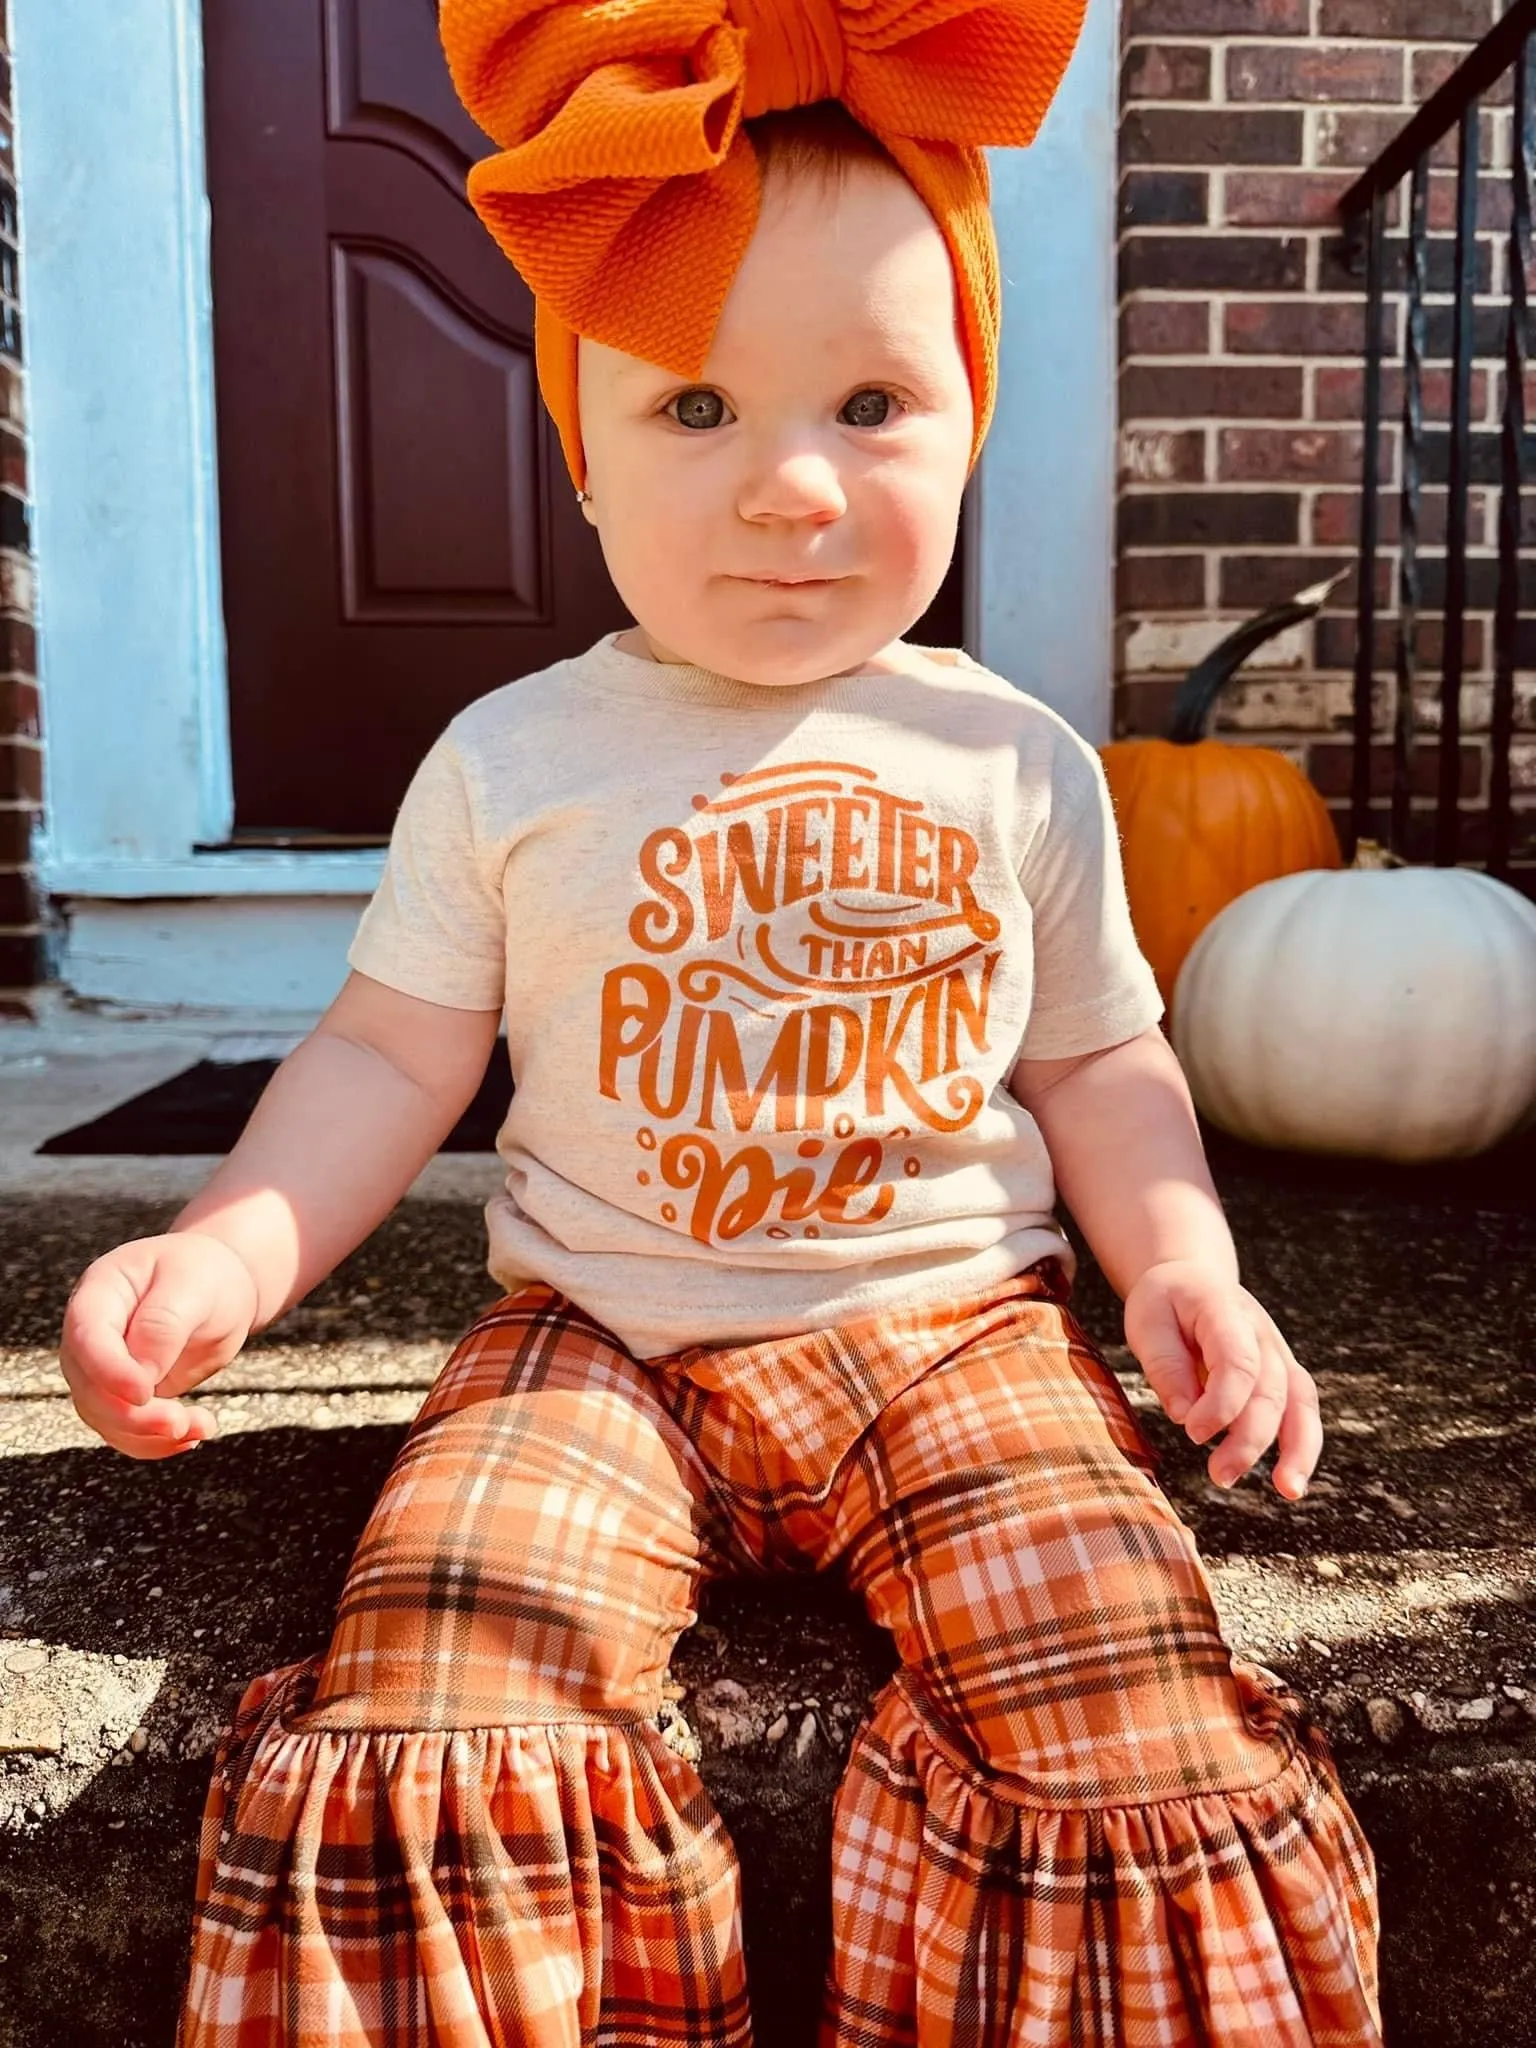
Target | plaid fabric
(1071,1818)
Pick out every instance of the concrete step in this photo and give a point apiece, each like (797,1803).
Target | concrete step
(137,1600)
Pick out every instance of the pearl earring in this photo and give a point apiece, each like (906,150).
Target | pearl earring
(583,497)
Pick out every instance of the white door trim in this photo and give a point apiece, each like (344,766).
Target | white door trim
(119,315)
(1046,521)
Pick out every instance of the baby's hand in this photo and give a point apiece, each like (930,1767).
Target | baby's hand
(145,1323)
(1215,1359)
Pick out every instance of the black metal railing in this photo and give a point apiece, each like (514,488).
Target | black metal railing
(1480,316)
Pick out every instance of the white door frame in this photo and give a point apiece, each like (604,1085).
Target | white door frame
(117,303)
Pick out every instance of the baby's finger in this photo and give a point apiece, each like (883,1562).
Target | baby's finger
(1233,1355)
(1168,1362)
(148,1449)
(1301,1435)
(93,1349)
(151,1428)
(1256,1427)
(163,1324)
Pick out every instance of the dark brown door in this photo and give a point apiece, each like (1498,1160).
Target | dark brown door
(399,532)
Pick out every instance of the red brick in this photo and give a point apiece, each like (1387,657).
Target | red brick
(1314,72)
(1299,455)
(1166,71)
(1165,327)
(17,825)
(1336,519)
(1494,203)
(21,773)
(1312,327)
(1408,21)
(18,900)
(1244,263)
(1347,136)
(1223,391)
(13,461)
(1155,583)
(1485,452)
(1252,581)
(1339,394)
(1333,520)
(1154,455)
(1337,638)
(1440,327)
(1283,199)
(18,647)
(1354,138)
(1164,199)
(1218,136)
(1145,704)
(1482,583)
(1216,18)
(1431,69)
(1330,764)
(19,708)
(22,961)
(1208,519)
(1338,271)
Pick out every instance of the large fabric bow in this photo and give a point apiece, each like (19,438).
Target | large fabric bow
(625,192)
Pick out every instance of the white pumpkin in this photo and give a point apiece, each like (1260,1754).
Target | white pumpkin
(1381,1011)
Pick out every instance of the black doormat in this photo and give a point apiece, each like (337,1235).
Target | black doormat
(205,1109)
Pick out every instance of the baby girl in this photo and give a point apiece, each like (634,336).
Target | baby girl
(819,986)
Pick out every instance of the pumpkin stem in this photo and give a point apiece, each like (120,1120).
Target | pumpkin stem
(1370,853)
(1208,678)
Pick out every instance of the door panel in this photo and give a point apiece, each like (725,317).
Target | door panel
(387,82)
(399,533)
(423,389)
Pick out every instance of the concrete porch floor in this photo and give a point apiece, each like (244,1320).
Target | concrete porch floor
(136,1600)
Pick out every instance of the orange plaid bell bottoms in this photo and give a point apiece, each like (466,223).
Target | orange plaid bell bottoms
(1070,1818)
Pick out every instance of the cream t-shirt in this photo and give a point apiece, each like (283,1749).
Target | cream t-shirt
(767,958)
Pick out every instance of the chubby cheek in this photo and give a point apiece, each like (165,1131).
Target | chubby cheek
(912,530)
(657,549)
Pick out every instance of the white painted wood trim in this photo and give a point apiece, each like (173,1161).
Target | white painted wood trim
(119,313)
(1046,511)
(258,873)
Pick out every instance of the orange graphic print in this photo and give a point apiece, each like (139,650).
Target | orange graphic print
(835,972)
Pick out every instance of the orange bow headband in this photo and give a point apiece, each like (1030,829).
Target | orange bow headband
(625,192)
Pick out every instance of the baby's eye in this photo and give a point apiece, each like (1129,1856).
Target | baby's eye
(883,401)
(697,408)
(702,407)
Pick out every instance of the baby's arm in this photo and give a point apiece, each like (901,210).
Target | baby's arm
(1125,1148)
(342,1129)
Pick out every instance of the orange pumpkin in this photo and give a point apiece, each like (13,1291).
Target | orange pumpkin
(1201,820)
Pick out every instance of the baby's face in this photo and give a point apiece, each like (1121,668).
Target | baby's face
(827,437)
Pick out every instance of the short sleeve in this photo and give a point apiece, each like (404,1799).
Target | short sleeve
(1093,985)
(435,926)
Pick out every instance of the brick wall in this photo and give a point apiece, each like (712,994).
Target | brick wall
(21,940)
(1243,121)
